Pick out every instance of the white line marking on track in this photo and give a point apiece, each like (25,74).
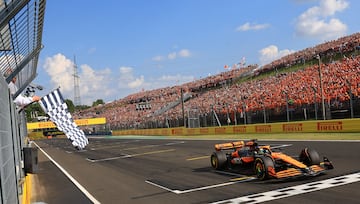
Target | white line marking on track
(200,188)
(197,158)
(294,190)
(129,155)
(227,173)
(75,182)
(113,145)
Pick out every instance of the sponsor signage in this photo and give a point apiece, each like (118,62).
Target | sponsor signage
(263,128)
(80,122)
(330,126)
(204,131)
(294,127)
(220,130)
(239,129)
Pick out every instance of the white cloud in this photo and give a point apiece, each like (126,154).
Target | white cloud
(172,56)
(127,79)
(318,21)
(330,7)
(60,69)
(158,58)
(248,26)
(137,82)
(93,84)
(175,78)
(184,53)
(167,81)
(103,83)
(271,53)
(129,84)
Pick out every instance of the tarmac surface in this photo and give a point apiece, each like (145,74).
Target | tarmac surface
(161,170)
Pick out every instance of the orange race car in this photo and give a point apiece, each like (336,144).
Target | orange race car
(267,162)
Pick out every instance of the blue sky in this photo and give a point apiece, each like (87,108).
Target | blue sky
(125,46)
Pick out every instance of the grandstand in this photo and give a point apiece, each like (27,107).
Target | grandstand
(287,89)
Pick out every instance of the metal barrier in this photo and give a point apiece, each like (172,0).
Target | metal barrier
(21,28)
(9,157)
(21,25)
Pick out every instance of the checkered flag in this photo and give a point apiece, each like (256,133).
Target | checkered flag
(54,105)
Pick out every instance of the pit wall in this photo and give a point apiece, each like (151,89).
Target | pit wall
(330,126)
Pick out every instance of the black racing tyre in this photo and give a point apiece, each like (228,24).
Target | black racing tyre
(309,157)
(261,167)
(218,160)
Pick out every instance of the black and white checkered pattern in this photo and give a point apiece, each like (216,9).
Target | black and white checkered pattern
(54,105)
(294,190)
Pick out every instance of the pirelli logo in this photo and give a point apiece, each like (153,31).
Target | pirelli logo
(177,131)
(329,126)
(191,131)
(240,129)
(82,122)
(298,127)
(263,128)
(204,130)
(46,125)
(220,130)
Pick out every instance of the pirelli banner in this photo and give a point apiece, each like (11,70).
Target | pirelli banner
(346,125)
(79,122)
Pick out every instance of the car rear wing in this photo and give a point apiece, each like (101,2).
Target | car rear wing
(229,145)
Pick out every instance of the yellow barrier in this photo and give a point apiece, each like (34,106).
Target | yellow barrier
(26,196)
(318,126)
(80,122)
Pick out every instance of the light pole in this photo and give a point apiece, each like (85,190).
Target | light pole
(315,104)
(264,111)
(287,105)
(321,88)
(235,119)
(244,109)
(182,106)
(351,100)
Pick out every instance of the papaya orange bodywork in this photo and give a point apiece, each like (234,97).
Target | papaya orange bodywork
(288,159)
(274,163)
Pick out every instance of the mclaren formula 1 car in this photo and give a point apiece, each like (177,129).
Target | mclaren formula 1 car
(267,162)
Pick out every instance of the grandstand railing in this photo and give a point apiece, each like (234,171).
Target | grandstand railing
(334,110)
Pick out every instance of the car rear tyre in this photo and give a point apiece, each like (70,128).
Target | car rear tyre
(218,160)
(309,157)
(262,166)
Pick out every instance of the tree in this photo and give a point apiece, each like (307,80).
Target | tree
(81,107)
(33,110)
(98,102)
(70,105)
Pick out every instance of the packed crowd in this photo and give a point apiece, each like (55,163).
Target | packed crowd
(221,93)
(328,49)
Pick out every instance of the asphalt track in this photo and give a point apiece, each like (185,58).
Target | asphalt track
(163,170)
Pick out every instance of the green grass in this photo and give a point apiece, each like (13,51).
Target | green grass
(279,136)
